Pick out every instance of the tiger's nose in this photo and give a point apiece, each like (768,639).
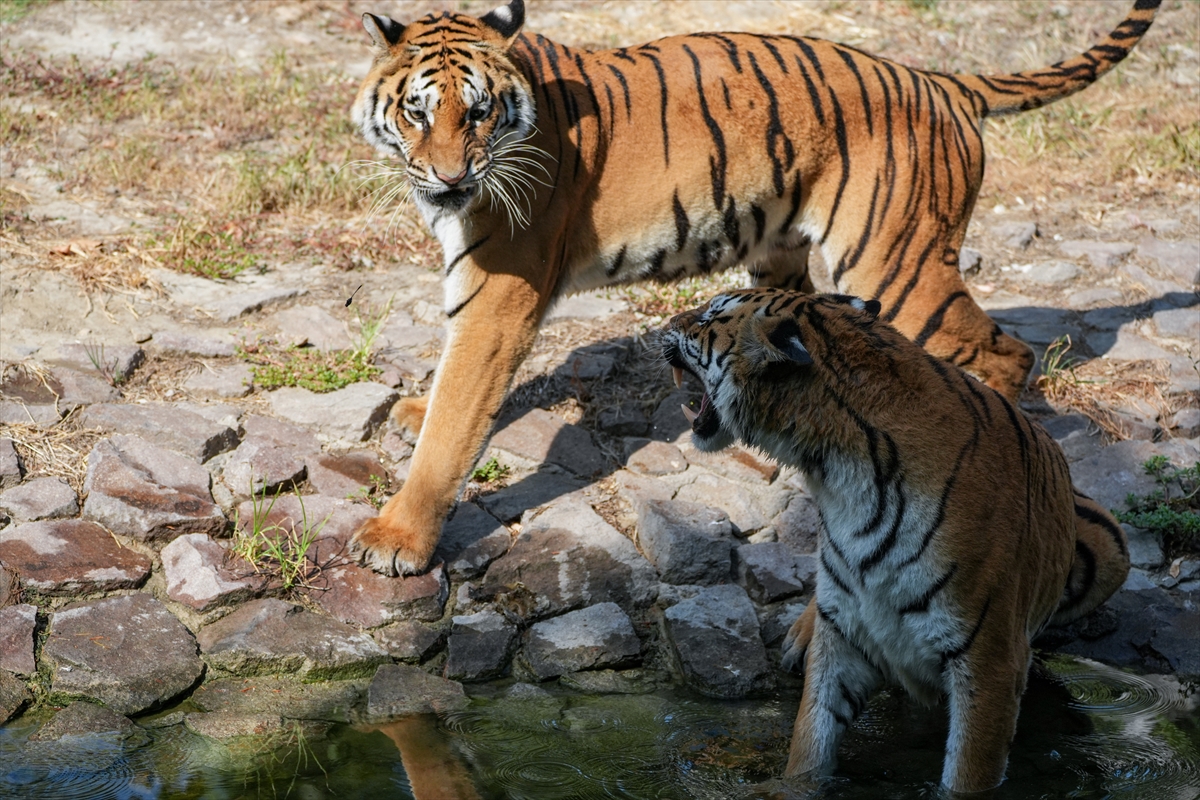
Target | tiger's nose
(452,180)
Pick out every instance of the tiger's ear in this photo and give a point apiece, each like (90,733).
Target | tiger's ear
(384,32)
(506,20)
(870,307)
(785,338)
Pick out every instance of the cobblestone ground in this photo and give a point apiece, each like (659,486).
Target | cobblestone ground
(600,550)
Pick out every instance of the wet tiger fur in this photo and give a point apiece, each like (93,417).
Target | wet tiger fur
(950,535)
(544,170)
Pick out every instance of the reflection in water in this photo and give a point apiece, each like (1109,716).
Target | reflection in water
(1089,732)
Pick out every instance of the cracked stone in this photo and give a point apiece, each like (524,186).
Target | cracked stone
(111,359)
(71,557)
(409,641)
(748,510)
(1181,259)
(471,540)
(40,498)
(165,426)
(210,344)
(14,696)
(530,492)
(736,464)
(200,573)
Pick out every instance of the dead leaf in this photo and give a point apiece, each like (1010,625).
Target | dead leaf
(76,247)
(1174,569)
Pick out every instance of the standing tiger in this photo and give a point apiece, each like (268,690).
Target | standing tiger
(544,170)
(949,537)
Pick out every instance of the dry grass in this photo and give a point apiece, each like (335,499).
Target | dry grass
(60,451)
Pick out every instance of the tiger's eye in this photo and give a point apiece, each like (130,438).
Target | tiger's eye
(477,114)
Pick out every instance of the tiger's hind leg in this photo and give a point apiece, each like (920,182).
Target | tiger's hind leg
(1101,561)
(785,267)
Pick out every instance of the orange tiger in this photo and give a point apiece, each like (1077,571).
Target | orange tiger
(951,534)
(544,170)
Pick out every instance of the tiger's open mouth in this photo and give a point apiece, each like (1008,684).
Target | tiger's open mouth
(705,422)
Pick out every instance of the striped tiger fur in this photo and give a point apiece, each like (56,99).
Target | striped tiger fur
(951,534)
(543,170)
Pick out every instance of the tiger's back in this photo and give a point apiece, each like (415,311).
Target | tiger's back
(951,533)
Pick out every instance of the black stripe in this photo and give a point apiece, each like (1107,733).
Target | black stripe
(957,652)
(888,542)
(454,311)
(682,226)
(730,48)
(934,323)
(774,129)
(1087,559)
(625,88)
(760,221)
(1103,520)
(794,208)
(815,98)
(839,124)
(470,249)
(656,262)
(862,88)
(662,85)
(617,263)
(718,163)
(849,259)
(943,502)
(733,231)
(921,604)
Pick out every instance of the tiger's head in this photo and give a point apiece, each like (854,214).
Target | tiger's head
(767,360)
(444,95)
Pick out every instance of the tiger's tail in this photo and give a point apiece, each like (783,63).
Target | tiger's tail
(1101,561)
(1021,91)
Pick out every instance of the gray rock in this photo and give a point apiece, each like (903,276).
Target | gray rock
(409,641)
(799,525)
(778,621)
(82,718)
(225,380)
(531,492)
(1109,318)
(1114,472)
(202,574)
(213,411)
(333,521)
(69,557)
(1129,346)
(348,415)
(361,596)
(768,572)
(261,465)
(1098,294)
(1051,272)
(136,489)
(16,412)
(241,302)
(82,388)
(414,338)
(585,306)
(273,636)
(282,433)
(687,542)
(1150,630)
(591,638)
(14,696)
(40,498)
(1186,423)
(625,419)
(12,468)
(748,510)
(165,426)
(471,540)
(648,457)
(1077,435)
(1145,551)
(118,361)
(399,690)
(1017,235)
(589,363)
(225,725)
(309,325)
(1100,254)
(480,646)
(127,652)
(17,623)
(567,557)
(283,696)
(542,437)
(736,464)
(1181,259)
(609,681)
(1178,323)
(210,344)
(716,641)
(346,474)
(969,261)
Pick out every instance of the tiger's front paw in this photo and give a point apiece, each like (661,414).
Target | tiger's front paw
(795,643)
(392,549)
(409,413)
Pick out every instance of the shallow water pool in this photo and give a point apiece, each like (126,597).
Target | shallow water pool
(1088,732)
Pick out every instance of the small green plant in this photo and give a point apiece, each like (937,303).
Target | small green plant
(109,370)
(273,549)
(491,471)
(369,326)
(1172,511)
(374,495)
(309,368)
(1058,367)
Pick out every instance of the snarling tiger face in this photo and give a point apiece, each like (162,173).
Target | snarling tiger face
(445,97)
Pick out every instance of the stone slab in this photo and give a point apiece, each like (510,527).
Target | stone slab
(70,557)
(261,465)
(361,596)
(530,492)
(471,540)
(595,637)
(40,498)
(348,415)
(284,696)
(14,696)
(224,380)
(399,690)
(480,646)
(163,425)
(768,572)
(540,436)
(346,474)
(409,641)
(688,543)
(202,574)
(716,641)
(17,624)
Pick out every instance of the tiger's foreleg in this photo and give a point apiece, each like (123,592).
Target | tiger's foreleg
(489,336)
(798,638)
(838,681)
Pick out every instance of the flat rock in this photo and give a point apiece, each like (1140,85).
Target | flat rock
(480,646)
(283,696)
(345,474)
(530,492)
(688,543)
(70,557)
(14,696)
(363,597)
(12,468)
(1147,629)
(261,465)
(128,652)
(224,380)
(282,433)
(163,425)
(273,636)
(542,437)
(137,489)
(1186,423)
(799,525)
(81,718)
(241,302)
(648,457)
(715,637)
(413,338)
(591,638)
(1116,471)
(17,623)
(77,388)
(585,306)
(1181,259)
(1145,550)
(309,325)
(398,690)
(769,571)
(201,574)
(1100,254)
(117,360)
(1178,323)
(348,415)
(409,641)
(1017,235)
(333,520)
(17,412)
(736,464)
(40,498)
(223,725)
(210,344)
(625,419)
(778,621)
(667,423)
(748,510)
(1051,272)
(471,540)
(567,557)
